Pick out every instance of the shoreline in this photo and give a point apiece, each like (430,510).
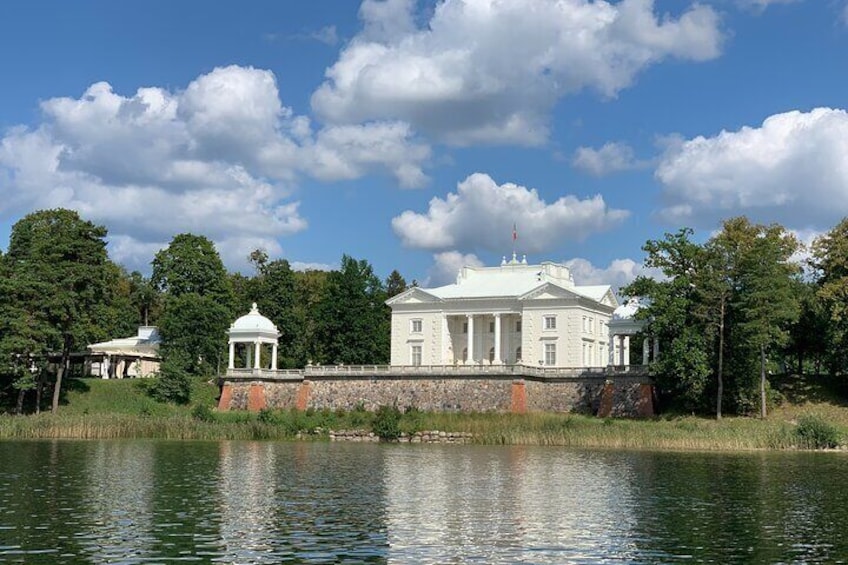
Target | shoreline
(687,433)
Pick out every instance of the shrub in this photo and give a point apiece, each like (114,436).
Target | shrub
(173,383)
(814,433)
(202,413)
(386,423)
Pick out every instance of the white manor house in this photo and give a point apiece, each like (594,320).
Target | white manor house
(515,313)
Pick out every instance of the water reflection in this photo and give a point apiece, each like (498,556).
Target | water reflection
(247,502)
(115,523)
(246,487)
(516,505)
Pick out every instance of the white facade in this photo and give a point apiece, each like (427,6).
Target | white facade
(514,313)
(136,356)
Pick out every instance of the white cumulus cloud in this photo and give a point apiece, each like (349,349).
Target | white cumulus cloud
(488,71)
(481,213)
(610,158)
(218,158)
(446,266)
(619,273)
(792,168)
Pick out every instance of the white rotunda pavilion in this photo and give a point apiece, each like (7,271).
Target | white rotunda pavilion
(252,331)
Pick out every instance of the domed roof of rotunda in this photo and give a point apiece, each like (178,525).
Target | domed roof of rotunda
(627,311)
(253,322)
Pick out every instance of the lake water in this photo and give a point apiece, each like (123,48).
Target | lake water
(265,502)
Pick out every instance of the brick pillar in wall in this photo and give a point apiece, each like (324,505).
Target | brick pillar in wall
(605,409)
(645,406)
(302,400)
(256,397)
(226,397)
(519,397)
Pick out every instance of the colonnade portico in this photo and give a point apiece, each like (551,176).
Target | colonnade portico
(471,332)
(253,330)
(624,325)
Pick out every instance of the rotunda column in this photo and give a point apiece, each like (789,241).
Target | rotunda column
(232,361)
(497,359)
(470,338)
(273,356)
(257,348)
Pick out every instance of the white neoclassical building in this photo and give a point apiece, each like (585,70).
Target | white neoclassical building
(514,313)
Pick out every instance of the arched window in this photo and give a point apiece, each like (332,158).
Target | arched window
(518,354)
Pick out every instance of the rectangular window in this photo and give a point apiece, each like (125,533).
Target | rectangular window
(550,354)
(591,325)
(465,327)
(550,322)
(518,326)
(416,355)
(417,326)
(491,327)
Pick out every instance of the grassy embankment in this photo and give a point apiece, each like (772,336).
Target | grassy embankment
(96,409)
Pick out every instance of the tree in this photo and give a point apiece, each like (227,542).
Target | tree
(830,261)
(395,284)
(766,298)
(194,329)
(682,372)
(57,270)
(198,304)
(353,320)
(144,297)
(713,284)
(273,290)
(191,264)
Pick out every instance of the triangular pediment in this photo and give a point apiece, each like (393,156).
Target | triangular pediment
(609,299)
(414,295)
(548,291)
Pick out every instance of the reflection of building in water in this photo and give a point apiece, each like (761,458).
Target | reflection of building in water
(506,505)
(246,494)
(119,525)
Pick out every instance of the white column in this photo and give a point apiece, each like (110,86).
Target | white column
(274,357)
(611,353)
(256,348)
(249,352)
(232,362)
(470,345)
(646,349)
(498,359)
(621,349)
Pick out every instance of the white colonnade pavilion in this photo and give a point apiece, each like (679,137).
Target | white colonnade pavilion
(253,331)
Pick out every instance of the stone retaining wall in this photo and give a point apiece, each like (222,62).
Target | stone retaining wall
(616,396)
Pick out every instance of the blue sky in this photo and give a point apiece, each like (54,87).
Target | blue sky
(415,134)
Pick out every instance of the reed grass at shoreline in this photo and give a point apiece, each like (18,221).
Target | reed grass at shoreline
(685,433)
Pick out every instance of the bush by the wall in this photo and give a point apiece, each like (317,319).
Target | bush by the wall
(386,423)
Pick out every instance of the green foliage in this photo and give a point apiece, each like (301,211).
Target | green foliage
(191,265)
(203,413)
(173,383)
(353,322)
(814,433)
(386,423)
(194,328)
(54,289)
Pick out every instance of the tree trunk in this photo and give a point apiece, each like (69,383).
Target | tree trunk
(60,372)
(720,374)
(762,381)
(19,405)
(39,389)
